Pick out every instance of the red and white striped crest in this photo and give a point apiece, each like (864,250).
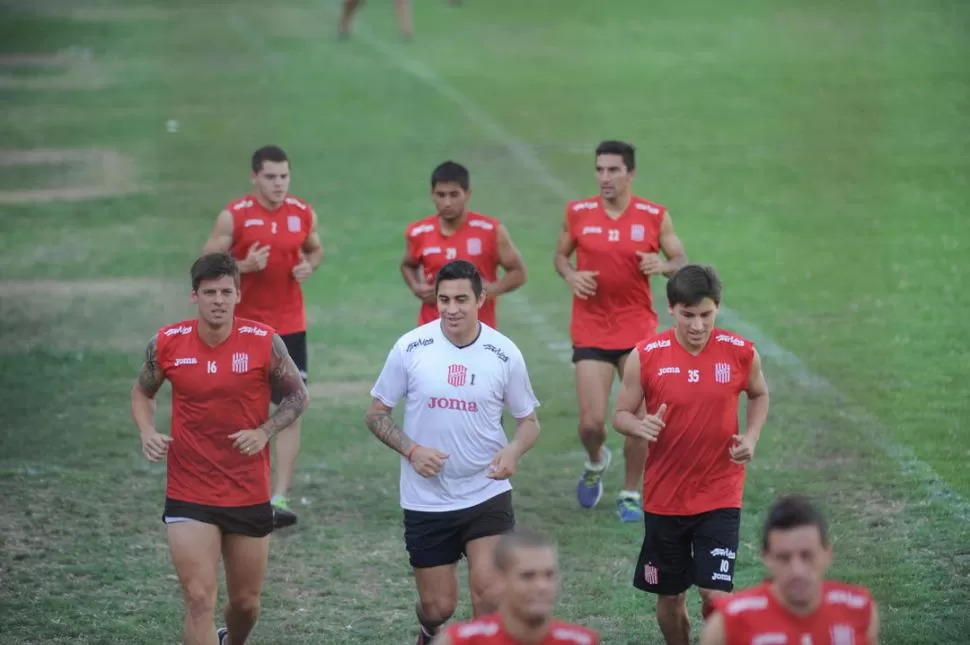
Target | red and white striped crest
(650,575)
(240,362)
(722,372)
(456,375)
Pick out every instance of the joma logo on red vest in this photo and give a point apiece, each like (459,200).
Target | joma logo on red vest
(452,404)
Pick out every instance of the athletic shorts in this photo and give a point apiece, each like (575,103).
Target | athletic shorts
(254,521)
(681,550)
(611,356)
(434,539)
(296,346)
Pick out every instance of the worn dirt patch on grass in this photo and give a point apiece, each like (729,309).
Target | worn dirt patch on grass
(78,315)
(76,11)
(33,59)
(71,69)
(99,173)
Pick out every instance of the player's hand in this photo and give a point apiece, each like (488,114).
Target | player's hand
(650,263)
(583,283)
(504,464)
(155,445)
(256,257)
(303,270)
(249,442)
(741,449)
(427,462)
(652,424)
(425,293)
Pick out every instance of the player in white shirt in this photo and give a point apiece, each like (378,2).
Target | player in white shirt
(457,375)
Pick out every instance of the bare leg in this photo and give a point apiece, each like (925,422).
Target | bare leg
(709,597)
(347,10)
(405,19)
(195,553)
(482,576)
(673,619)
(287,453)
(245,560)
(593,382)
(437,596)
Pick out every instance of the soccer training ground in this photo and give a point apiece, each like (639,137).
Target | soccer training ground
(817,153)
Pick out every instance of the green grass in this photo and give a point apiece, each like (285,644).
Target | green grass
(815,153)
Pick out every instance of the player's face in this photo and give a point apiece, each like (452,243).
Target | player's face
(612,176)
(217,300)
(450,199)
(531,584)
(797,561)
(694,324)
(273,181)
(458,306)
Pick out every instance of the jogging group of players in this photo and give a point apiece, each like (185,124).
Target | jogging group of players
(677,407)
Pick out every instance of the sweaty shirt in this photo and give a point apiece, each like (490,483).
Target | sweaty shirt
(216,391)
(621,313)
(271,296)
(755,616)
(475,241)
(455,398)
(689,469)
(488,630)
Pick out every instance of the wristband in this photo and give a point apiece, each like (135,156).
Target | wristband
(411,451)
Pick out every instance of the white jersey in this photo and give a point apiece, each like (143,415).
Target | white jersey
(455,398)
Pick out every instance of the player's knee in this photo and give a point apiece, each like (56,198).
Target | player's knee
(437,610)
(245,603)
(200,598)
(708,598)
(592,424)
(672,604)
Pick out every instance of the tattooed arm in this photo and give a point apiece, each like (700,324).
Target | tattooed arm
(285,379)
(379,421)
(150,379)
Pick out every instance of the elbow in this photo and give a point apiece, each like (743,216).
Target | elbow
(617,421)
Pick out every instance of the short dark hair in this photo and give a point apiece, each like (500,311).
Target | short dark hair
(792,512)
(691,284)
(451,171)
(460,270)
(213,266)
(519,539)
(268,153)
(622,148)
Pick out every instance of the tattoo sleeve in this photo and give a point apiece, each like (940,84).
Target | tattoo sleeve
(285,379)
(150,378)
(380,423)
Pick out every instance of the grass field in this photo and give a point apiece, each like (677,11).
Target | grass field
(816,153)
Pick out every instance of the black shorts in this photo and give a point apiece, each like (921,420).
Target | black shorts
(296,346)
(254,521)
(681,550)
(434,539)
(611,356)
